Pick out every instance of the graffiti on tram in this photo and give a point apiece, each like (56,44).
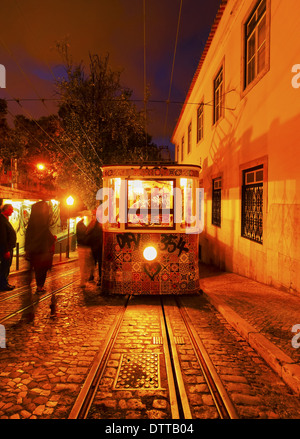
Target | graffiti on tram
(128,238)
(168,241)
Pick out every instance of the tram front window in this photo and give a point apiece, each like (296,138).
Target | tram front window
(150,203)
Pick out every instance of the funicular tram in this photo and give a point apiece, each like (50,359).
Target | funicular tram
(152,217)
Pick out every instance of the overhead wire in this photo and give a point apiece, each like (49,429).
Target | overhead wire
(43,100)
(172,70)
(145,76)
(28,80)
(167,102)
(52,140)
(29,132)
(157,101)
(34,120)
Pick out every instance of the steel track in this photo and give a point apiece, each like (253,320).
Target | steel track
(221,399)
(180,408)
(39,299)
(19,291)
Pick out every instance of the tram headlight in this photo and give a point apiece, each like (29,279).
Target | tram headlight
(150,253)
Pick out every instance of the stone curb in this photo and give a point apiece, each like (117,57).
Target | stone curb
(281,363)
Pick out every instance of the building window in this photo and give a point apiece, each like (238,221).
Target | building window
(189,138)
(216,202)
(182,148)
(252,204)
(255,43)
(218,96)
(200,122)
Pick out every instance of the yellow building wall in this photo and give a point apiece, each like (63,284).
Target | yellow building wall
(261,126)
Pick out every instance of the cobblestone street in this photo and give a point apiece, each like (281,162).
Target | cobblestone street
(48,356)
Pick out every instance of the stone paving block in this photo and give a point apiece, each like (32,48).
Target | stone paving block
(291,375)
(47,385)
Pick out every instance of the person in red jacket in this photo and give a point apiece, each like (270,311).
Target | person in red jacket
(8,239)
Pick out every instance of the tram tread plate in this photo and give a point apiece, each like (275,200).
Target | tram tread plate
(138,371)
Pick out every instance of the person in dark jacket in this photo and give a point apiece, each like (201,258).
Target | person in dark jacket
(8,239)
(84,253)
(39,243)
(94,234)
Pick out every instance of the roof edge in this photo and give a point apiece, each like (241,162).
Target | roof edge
(213,30)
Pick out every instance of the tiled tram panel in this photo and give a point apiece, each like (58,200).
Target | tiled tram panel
(175,271)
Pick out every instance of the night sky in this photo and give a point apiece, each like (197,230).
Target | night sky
(30,28)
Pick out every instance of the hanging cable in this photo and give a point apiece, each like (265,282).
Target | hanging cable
(39,97)
(145,79)
(172,71)
(53,141)
(26,77)
(43,100)
(155,101)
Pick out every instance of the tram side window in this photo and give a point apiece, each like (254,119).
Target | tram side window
(188,206)
(114,207)
(150,203)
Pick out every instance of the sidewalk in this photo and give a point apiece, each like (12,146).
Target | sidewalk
(263,315)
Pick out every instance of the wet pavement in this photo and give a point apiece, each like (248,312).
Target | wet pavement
(266,317)
(47,358)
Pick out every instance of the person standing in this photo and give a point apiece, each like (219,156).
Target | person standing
(84,253)
(94,235)
(8,240)
(39,243)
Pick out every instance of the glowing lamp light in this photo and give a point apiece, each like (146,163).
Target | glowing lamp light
(150,253)
(70,201)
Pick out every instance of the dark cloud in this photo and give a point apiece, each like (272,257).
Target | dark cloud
(30,29)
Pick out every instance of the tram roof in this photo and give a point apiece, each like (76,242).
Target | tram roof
(155,170)
(158,165)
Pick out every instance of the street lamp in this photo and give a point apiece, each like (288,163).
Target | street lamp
(69,201)
(40,167)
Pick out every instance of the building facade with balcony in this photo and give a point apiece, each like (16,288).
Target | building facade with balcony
(241,123)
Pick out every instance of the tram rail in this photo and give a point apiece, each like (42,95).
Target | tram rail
(18,291)
(221,399)
(87,393)
(180,407)
(41,298)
